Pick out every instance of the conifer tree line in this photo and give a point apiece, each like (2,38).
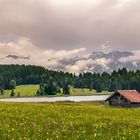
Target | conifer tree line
(12,75)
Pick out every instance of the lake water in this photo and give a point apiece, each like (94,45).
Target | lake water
(57,99)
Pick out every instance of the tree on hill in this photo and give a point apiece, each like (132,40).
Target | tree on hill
(12,84)
(41,90)
(51,88)
(48,89)
(66,89)
(1,91)
(12,93)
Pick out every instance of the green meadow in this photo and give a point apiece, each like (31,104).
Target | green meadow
(23,90)
(30,90)
(67,121)
(85,91)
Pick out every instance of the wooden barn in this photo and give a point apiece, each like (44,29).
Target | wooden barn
(124,98)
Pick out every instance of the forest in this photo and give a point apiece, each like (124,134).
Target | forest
(12,75)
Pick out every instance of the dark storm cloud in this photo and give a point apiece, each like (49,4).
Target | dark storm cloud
(69,24)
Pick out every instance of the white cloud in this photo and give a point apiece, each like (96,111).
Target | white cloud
(88,65)
(65,54)
(23,46)
(48,57)
(79,66)
(44,57)
(103,62)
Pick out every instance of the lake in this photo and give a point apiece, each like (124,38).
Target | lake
(57,99)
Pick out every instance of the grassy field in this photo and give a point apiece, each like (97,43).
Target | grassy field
(30,90)
(24,90)
(67,121)
(79,91)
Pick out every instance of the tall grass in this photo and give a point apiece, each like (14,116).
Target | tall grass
(68,121)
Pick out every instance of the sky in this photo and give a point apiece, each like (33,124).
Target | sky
(43,29)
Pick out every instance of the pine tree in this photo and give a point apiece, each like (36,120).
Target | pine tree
(12,93)
(66,89)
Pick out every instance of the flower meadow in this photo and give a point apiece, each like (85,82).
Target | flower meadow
(67,121)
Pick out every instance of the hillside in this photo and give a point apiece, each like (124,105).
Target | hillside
(26,75)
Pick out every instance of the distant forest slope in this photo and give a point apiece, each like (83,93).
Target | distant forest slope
(29,74)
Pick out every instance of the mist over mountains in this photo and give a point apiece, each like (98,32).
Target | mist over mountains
(99,62)
(93,62)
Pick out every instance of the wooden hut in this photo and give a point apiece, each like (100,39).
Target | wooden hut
(124,98)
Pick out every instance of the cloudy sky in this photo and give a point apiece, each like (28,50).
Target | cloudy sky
(45,29)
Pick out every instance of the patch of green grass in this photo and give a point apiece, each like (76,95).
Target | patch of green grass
(24,90)
(85,91)
(57,121)
(30,90)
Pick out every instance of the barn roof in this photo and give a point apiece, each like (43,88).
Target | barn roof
(131,95)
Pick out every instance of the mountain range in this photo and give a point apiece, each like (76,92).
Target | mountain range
(94,62)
